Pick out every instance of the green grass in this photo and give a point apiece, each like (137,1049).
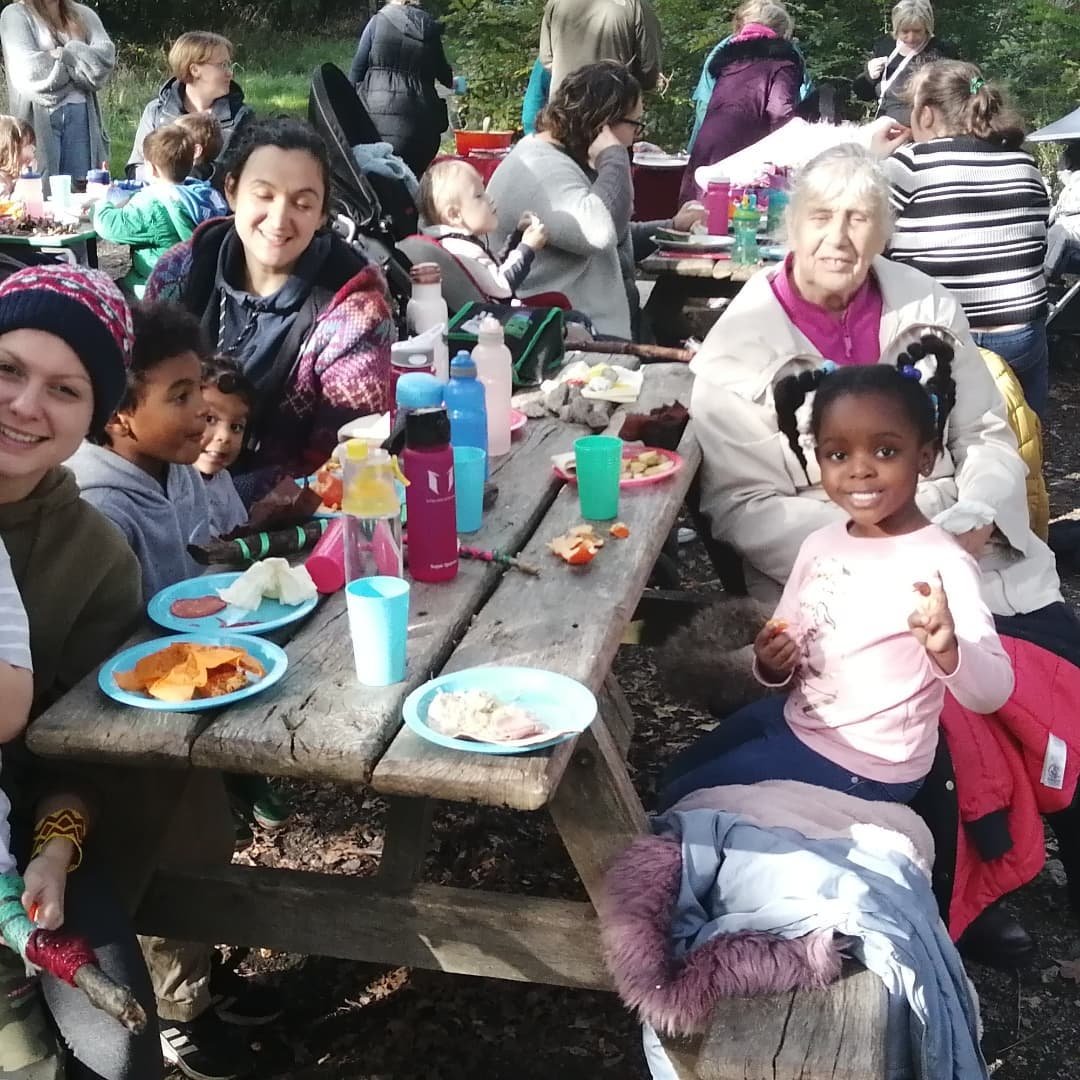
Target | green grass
(275,72)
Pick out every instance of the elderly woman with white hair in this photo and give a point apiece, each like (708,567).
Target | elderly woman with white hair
(836,298)
(398,60)
(895,59)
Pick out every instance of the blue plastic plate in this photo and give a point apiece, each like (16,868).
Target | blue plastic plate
(269,615)
(323,511)
(271,656)
(556,700)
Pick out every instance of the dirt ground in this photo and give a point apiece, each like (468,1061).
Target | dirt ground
(363,1022)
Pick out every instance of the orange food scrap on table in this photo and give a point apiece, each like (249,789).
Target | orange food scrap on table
(577,546)
(186,670)
(620,530)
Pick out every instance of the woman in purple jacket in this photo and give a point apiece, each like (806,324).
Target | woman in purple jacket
(758,75)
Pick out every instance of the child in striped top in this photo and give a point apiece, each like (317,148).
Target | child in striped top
(971,210)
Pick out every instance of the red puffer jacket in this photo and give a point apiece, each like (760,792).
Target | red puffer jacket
(1011,768)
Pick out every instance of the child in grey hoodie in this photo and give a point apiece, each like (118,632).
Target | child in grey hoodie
(141,473)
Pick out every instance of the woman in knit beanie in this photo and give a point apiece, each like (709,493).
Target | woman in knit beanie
(65,339)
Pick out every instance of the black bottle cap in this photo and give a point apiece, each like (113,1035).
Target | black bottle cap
(427,427)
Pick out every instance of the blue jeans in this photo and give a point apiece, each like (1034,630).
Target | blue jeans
(69,149)
(756,743)
(1028,354)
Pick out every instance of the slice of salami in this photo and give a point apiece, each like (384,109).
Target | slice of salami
(197,607)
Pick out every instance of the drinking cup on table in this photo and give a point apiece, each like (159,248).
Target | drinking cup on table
(598,461)
(470,465)
(378,610)
(60,191)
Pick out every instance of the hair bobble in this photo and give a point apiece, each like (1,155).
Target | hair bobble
(977,83)
(910,372)
(828,367)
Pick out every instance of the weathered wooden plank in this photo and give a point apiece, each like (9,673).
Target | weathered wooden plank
(405,843)
(569,620)
(466,931)
(617,714)
(320,723)
(832,1034)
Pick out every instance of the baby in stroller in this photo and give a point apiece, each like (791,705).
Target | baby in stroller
(458,214)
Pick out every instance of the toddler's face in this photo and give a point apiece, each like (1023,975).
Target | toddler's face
(28,155)
(169,419)
(226,422)
(475,208)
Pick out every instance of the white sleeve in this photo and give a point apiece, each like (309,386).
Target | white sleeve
(14,626)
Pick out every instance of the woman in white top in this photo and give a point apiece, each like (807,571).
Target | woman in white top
(57,57)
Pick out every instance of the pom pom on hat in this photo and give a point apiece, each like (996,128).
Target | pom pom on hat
(86,310)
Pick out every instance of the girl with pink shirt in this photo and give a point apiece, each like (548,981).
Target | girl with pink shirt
(881,613)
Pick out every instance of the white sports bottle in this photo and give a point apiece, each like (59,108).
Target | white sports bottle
(494,368)
(427,309)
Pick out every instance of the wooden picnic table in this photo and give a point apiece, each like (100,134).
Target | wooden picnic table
(319,725)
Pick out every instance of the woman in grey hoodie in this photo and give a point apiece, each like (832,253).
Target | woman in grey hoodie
(57,58)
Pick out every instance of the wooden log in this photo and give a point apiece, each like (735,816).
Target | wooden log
(465,931)
(656,353)
(405,843)
(832,1034)
(570,620)
(319,723)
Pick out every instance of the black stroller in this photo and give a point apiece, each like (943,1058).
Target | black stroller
(373,212)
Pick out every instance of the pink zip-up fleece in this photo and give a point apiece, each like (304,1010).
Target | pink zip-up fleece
(850,337)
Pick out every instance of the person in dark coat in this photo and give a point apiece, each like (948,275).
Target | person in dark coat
(398,59)
(758,74)
(896,59)
(201,64)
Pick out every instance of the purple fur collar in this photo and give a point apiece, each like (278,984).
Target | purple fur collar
(635,918)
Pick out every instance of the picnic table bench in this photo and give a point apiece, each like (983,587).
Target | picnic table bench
(319,725)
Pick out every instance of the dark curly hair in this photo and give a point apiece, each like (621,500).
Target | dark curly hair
(586,100)
(224,374)
(162,331)
(927,404)
(284,133)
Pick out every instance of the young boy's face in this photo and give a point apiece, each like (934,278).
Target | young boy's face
(226,421)
(472,205)
(167,424)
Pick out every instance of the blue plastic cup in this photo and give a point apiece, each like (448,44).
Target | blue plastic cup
(598,462)
(470,468)
(378,610)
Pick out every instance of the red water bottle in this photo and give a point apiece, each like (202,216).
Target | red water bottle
(428,464)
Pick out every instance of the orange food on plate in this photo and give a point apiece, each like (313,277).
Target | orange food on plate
(328,484)
(186,670)
(620,530)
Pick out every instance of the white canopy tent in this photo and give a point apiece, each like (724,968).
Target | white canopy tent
(1064,130)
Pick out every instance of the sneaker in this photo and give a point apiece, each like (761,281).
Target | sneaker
(240,1001)
(204,1049)
(269,809)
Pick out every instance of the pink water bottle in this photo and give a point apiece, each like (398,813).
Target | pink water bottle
(326,563)
(717,196)
(428,464)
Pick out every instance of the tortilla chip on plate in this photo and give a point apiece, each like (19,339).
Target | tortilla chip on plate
(186,669)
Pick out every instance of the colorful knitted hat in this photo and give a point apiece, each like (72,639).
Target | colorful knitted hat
(87,311)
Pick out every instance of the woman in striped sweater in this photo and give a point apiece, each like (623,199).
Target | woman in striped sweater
(971,211)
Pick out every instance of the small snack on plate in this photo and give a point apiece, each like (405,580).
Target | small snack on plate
(197,607)
(647,463)
(188,670)
(273,579)
(478,715)
(620,530)
(578,546)
(328,484)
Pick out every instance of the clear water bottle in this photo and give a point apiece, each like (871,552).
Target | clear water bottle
(371,512)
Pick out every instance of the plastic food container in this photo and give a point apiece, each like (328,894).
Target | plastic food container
(468,141)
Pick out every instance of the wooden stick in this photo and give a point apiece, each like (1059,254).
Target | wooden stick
(109,996)
(632,348)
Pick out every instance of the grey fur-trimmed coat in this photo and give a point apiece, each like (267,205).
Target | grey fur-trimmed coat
(37,81)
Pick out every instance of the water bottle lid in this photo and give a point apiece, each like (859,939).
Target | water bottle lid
(427,427)
(463,366)
(490,329)
(418,390)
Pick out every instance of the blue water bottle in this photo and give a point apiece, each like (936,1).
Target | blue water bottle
(464,397)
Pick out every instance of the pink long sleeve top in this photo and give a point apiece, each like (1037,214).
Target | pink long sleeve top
(865,694)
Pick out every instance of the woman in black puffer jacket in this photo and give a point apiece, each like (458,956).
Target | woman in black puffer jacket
(398,59)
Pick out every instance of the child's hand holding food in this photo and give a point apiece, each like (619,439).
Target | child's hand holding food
(535,235)
(776,651)
(932,624)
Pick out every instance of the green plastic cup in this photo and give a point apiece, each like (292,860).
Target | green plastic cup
(598,459)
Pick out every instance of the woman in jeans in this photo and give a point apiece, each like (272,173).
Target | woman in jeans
(971,211)
(57,57)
